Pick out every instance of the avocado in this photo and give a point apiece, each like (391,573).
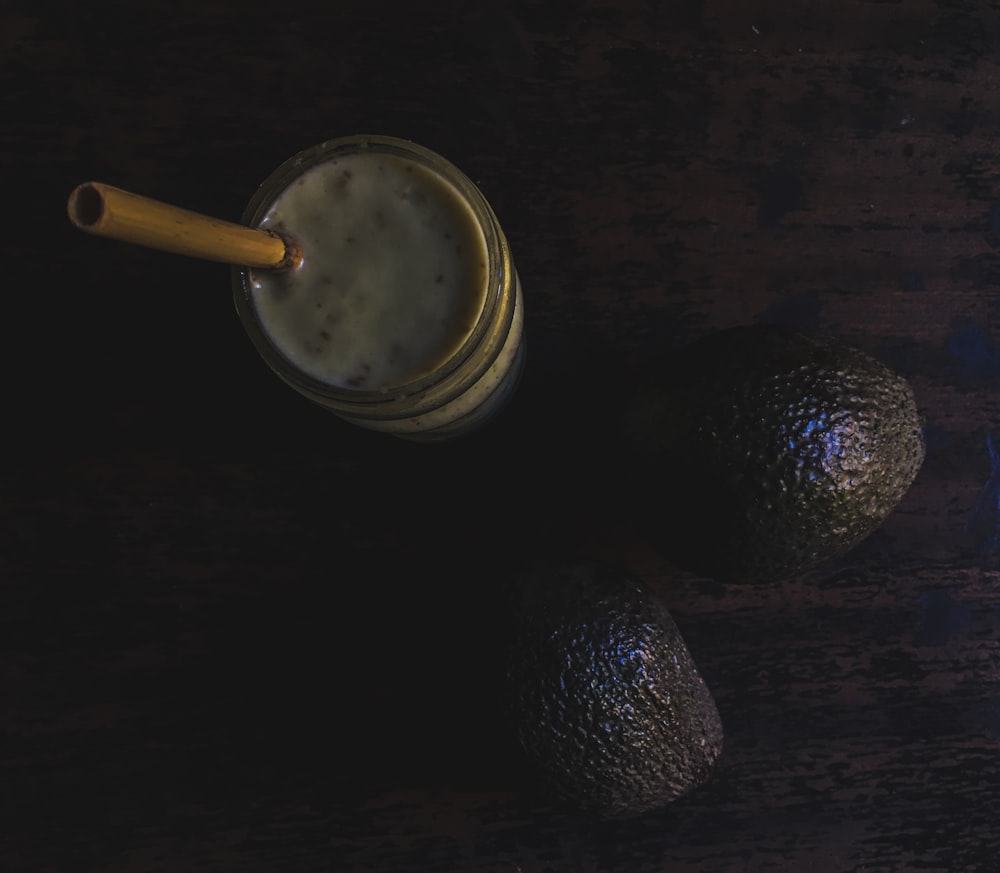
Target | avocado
(605,700)
(763,451)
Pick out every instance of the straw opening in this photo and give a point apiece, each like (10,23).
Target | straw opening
(87,206)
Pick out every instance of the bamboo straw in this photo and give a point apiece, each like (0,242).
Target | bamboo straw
(111,212)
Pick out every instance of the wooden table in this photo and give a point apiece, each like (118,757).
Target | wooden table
(225,632)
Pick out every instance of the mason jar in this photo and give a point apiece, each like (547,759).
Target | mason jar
(404,313)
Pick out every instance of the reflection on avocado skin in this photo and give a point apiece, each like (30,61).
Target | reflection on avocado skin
(605,699)
(766,450)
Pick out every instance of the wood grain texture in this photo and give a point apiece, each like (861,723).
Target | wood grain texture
(226,618)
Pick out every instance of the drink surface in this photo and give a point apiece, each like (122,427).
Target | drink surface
(393,277)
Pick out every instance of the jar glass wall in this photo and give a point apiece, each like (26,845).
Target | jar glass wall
(405,315)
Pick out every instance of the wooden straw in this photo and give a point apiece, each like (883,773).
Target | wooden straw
(111,212)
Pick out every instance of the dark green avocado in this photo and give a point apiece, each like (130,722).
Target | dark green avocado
(763,451)
(605,699)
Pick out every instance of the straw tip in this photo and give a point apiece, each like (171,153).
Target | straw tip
(85,206)
(293,253)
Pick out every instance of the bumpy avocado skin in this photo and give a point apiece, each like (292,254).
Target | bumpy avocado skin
(766,450)
(605,698)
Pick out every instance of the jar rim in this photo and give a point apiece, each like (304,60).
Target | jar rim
(497,259)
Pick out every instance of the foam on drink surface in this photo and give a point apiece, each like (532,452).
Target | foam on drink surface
(393,278)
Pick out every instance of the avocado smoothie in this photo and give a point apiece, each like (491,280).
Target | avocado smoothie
(405,313)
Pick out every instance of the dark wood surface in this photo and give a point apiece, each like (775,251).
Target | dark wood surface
(236,634)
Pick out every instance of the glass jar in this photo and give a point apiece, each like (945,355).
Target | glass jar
(476,369)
